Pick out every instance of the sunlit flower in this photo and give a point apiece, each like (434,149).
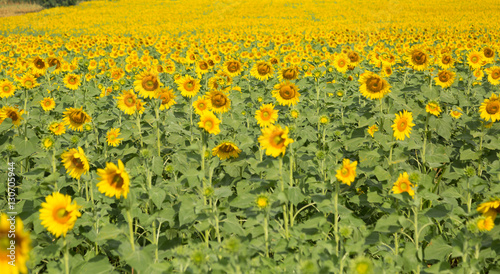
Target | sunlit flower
(226,150)
(113,180)
(372,129)
(266,115)
(373,86)
(112,137)
(7,89)
(490,108)
(402,125)
(209,122)
(403,184)
(12,113)
(274,140)
(75,118)
(48,103)
(347,172)
(433,108)
(286,94)
(75,162)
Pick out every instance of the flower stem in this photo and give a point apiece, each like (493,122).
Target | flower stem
(130,230)
(282,185)
(54,165)
(138,121)
(266,233)
(425,138)
(291,184)
(66,256)
(336,218)
(157,114)
(87,190)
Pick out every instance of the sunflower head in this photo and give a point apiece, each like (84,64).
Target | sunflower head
(112,137)
(266,115)
(373,86)
(167,97)
(274,140)
(76,118)
(219,101)
(403,184)
(225,150)
(12,113)
(433,108)
(147,84)
(347,172)
(7,89)
(402,125)
(490,108)
(262,202)
(372,129)
(48,104)
(75,162)
(445,78)
(286,94)
(22,243)
(114,180)
(209,122)
(58,214)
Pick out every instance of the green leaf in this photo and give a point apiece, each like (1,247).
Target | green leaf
(157,165)
(468,154)
(96,265)
(387,224)
(382,174)
(186,211)
(24,147)
(436,156)
(295,195)
(223,192)
(437,249)
(438,211)
(157,195)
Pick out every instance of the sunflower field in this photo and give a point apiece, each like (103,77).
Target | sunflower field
(264,136)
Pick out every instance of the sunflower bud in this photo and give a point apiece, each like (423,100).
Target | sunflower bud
(320,155)
(169,169)
(208,192)
(10,147)
(345,231)
(308,267)
(75,139)
(415,178)
(361,265)
(233,245)
(145,153)
(262,201)
(198,257)
(470,171)
(249,105)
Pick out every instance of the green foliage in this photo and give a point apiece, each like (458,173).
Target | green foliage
(57,3)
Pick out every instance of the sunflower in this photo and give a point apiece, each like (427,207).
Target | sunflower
(38,65)
(75,162)
(226,150)
(286,94)
(12,113)
(354,58)
(139,106)
(372,129)
(167,97)
(294,113)
(488,54)
(48,104)
(54,61)
(490,108)
(127,102)
(475,60)
(57,128)
(22,245)
(201,105)
(147,84)
(446,61)
(490,208)
(456,113)
(7,89)
(114,180)
(262,70)
(58,214)
(373,86)
(274,140)
(202,67)
(112,137)
(433,108)
(76,118)
(386,71)
(485,223)
(445,78)
(72,81)
(262,201)
(47,143)
(493,75)
(418,59)
(266,115)
(402,125)
(403,184)
(347,172)
(340,63)
(289,73)
(28,81)
(233,67)
(209,122)
(188,86)
(219,101)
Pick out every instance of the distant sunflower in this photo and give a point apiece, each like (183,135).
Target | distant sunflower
(127,102)
(446,61)
(7,89)
(490,108)
(28,81)
(402,125)
(112,137)
(76,118)
(475,60)
(57,128)
(274,140)
(167,97)
(403,184)
(488,54)
(262,70)
(72,81)
(490,208)
(493,75)
(485,223)
(456,113)
(38,65)
(48,104)
(22,245)
(372,129)
(219,101)
(201,105)
(418,59)
(445,78)
(354,58)
(54,61)
(12,113)
(433,108)
(114,180)
(188,86)
(209,123)
(58,214)
(373,86)
(266,115)
(286,94)
(347,173)
(340,63)
(75,162)
(47,143)
(226,150)
(147,84)
(289,73)
(233,67)
(202,67)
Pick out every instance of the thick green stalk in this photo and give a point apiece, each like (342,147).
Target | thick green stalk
(157,114)
(336,218)
(266,234)
(282,186)
(66,256)
(138,122)
(130,230)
